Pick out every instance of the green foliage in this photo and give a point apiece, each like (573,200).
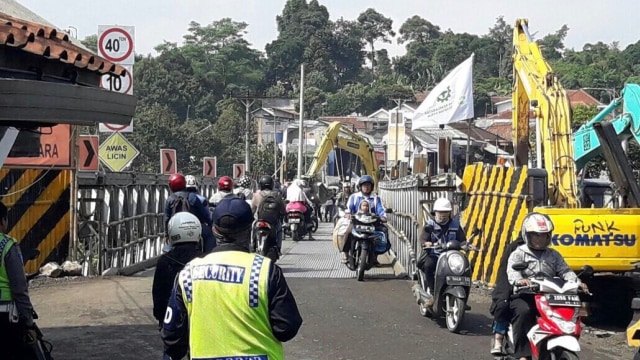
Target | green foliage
(186,91)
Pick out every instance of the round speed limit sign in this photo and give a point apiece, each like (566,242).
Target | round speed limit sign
(115,45)
(121,84)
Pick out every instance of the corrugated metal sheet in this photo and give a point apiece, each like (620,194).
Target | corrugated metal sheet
(39,211)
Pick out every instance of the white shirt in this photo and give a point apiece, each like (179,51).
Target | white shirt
(295,193)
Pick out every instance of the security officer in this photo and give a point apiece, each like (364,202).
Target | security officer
(17,330)
(230,303)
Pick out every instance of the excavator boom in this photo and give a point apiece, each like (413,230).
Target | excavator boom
(538,88)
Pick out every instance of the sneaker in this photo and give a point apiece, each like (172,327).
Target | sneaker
(498,340)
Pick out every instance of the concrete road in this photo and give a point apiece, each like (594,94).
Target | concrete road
(111,318)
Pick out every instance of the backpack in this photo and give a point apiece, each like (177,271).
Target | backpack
(268,208)
(180,203)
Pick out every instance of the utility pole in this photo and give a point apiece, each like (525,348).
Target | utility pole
(301,123)
(399,103)
(247,101)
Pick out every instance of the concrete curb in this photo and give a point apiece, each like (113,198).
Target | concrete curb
(398,270)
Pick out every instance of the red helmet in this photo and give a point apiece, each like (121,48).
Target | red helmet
(225,183)
(177,182)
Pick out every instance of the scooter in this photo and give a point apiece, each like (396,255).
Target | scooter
(262,235)
(558,328)
(295,225)
(363,252)
(340,212)
(452,284)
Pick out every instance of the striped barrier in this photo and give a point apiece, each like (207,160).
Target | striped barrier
(496,203)
(39,211)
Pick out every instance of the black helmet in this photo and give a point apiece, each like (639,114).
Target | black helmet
(266,182)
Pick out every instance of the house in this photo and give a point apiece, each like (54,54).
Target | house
(500,123)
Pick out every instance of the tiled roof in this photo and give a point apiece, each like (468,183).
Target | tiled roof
(475,132)
(581,97)
(51,44)
(501,129)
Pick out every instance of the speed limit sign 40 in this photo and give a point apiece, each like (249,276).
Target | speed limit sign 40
(115,43)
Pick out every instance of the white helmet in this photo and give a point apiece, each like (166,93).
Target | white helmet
(442,204)
(191,181)
(184,227)
(442,210)
(536,230)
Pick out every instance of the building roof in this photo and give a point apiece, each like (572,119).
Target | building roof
(475,132)
(581,97)
(356,122)
(502,129)
(51,43)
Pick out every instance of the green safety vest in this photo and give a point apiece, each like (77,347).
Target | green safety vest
(226,296)
(5,289)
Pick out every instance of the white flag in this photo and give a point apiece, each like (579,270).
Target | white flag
(283,145)
(450,101)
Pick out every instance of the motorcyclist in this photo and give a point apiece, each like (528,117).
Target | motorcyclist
(273,214)
(343,197)
(365,185)
(295,194)
(441,229)
(536,231)
(207,231)
(500,299)
(186,244)
(244,188)
(183,200)
(225,189)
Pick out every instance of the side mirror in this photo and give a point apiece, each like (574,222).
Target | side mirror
(428,228)
(388,210)
(476,231)
(519,266)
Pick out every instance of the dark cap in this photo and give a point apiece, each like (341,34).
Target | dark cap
(232,215)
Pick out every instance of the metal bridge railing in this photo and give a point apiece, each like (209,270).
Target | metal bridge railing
(411,199)
(120,219)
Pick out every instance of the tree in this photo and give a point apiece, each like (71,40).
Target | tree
(419,30)
(502,34)
(375,27)
(552,45)
(91,42)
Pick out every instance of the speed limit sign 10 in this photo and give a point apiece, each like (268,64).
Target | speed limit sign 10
(115,43)
(122,84)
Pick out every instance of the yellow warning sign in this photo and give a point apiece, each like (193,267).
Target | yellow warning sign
(117,152)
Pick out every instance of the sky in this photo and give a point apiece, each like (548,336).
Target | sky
(155,21)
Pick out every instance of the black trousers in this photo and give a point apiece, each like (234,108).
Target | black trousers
(523,309)
(427,263)
(11,344)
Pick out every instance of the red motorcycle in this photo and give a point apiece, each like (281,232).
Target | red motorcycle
(558,328)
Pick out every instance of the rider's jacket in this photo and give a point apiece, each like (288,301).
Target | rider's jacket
(353,204)
(444,233)
(548,261)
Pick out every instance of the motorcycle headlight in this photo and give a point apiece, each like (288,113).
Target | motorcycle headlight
(456,263)
(568,327)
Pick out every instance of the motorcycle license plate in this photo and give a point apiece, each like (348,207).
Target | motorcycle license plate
(564,300)
(459,280)
(294,220)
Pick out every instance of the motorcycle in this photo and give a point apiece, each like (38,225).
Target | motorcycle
(262,234)
(363,254)
(451,287)
(558,328)
(295,225)
(41,348)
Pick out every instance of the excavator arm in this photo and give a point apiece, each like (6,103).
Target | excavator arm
(338,137)
(587,145)
(537,88)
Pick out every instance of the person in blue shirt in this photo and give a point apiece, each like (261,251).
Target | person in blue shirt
(176,203)
(365,185)
(441,229)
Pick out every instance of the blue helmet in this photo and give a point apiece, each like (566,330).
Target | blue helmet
(365,179)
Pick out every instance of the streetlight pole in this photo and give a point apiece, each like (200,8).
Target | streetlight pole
(301,122)
(275,144)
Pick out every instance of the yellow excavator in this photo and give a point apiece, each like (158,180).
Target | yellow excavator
(499,197)
(338,137)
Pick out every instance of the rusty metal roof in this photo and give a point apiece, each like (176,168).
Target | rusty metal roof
(52,44)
